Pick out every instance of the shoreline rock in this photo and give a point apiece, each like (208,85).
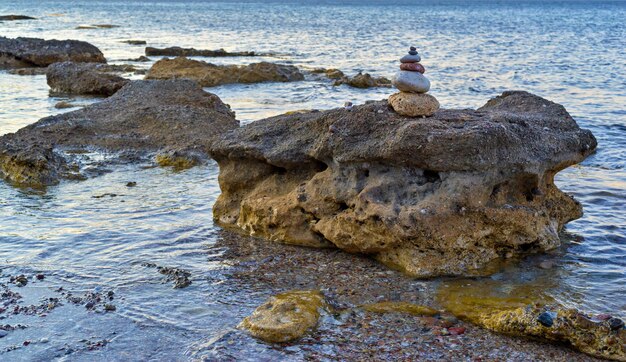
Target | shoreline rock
(138,121)
(210,75)
(34,52)
(191,52)
(285,317)
(445,195)
(363,80)
(84,78)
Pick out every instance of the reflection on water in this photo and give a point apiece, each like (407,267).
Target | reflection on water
(567,52)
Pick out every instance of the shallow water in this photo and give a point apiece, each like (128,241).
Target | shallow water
(569,52)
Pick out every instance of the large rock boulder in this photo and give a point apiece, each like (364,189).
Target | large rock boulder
(209,75)
(142,119)
(83,78)
(190,52)
(446,195)
(33,52)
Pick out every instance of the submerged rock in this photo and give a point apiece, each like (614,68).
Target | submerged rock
(191,52)
(445,195)
(400,307)
(28,71)
(285,317)
(33,52)
(209,75)
(143,118)
(134,42)
(524,310)
(567,326)
(83,78)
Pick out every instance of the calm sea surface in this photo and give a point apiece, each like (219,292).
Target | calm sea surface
(572,53)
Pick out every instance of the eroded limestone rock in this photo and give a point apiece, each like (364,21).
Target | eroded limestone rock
(414,104)
(445,195)
(142,119)
(84,78)
(285,317)
(209,75)
(33,52)
(524,311)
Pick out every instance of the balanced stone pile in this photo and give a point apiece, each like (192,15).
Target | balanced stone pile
(412,99)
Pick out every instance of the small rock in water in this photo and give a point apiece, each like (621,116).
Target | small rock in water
(131,184)
(616,323)
(347,105)
(109,307)
(21,280)
(546,319)
(43,340)
(546,264)
(603,317)
(40,276)
(3,333)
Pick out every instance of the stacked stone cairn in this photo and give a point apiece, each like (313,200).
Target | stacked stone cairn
(412,100)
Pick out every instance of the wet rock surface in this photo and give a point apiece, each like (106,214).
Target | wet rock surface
(34,52)
(83,78)
(138,121)
(261,269)
(447,195)
(527,313)
(210,75)
(180,277)
(285,317)
(189,52)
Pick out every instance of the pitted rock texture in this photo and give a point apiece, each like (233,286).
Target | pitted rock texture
(83,78)
(140,120)
(445,195)
(209,75)
(34,52)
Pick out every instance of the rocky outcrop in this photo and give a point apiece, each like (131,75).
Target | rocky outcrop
(362,80)
(191,52)
(141,120)
(445,195)
(33,52)
(285,317)
(209,75)
(83,78)
(15,17)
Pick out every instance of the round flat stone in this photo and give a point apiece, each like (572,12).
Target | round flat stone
(413,104)
(413,67)
(413,82)
(409,58)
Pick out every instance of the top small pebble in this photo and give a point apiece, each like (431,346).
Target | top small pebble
(412,57)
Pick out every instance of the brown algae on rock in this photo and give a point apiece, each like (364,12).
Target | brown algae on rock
(519,310)
(177,161)
(400,307)
(285,317)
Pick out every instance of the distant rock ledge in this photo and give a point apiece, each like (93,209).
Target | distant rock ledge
(34,52)
(444,195)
